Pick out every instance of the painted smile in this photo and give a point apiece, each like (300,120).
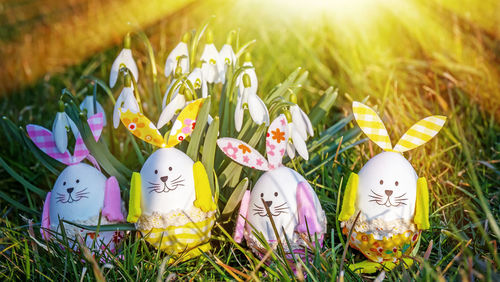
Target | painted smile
(163,187)
(274,211)
(386,201)
(82,194)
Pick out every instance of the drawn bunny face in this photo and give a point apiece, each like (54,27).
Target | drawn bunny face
(387,187)
(167,177)
(291,201)
(79,187)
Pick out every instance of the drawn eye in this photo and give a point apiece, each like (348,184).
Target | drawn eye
(275,194)
(381,181)
(396,183)
(156,171)
(261,195)
(64,183)
(170,168)
(78,181)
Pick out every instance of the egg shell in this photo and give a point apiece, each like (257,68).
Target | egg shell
(78,196)
(387,188)
(278,189)
(167,169)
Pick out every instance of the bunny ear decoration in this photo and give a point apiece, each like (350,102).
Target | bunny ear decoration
(371,124)
(185,123)
(242,153)
(44,140)
(141,127)
(276,140)
(420,133)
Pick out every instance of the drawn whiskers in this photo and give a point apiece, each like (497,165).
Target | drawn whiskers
(259,210)
(375,198)
(400,200)
(60,198)
(155,187)
(81,194)
(283,208)
(179,181)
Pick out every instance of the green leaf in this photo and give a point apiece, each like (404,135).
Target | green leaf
(106,227)
(21,179)
(235,198)
(199,129)
(323,106)
(209,148)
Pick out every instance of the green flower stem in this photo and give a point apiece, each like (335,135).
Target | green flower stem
(156,87)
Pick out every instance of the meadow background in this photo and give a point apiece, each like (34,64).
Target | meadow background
(411,58)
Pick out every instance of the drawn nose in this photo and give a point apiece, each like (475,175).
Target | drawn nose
(268,203)
(388,192)
(70,190)
(164,178)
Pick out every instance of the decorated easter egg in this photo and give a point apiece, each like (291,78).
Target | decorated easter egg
(278,189)
(280,194)
(81,193)
(78,196)
(170,198)
(386,205)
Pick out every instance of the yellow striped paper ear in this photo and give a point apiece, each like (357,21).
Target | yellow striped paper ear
(371,124)
(420,133)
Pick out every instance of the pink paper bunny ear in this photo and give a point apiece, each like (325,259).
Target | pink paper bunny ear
(46,218)
(276,140)
(112,201)
(308,219)
(242,215)
(44,140)
(242,153)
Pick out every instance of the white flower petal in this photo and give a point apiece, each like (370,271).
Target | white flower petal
(298,121)
(253,78)
(130,103)
(226,58)
(306,119)
(300,144)
(210,72)
(125,58)
(177,103)
(171,63)
(258,110)
(238,114)
(60,131)
(164,101)
(116,112)
(196,78)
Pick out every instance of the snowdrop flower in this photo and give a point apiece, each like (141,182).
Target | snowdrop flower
(226,57)
(179,56)
(299,128)
(210,59)
(248,99)
(88,104)
(62,124)
(196,78)
(124,59)
(179,100)
(126,101)
(250,72)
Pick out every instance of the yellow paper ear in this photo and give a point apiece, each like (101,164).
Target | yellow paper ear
(134,203)
(420,133)
(421,217)
(142,127)
(371,124)
(185,123)
(204,199)
(350,194)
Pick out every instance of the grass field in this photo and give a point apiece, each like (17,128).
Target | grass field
(410,59)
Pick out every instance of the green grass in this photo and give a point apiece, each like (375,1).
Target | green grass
(410,81)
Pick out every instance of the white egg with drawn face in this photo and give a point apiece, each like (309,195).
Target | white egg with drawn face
(277,189)
(387,188)
(78,194)
(167,182)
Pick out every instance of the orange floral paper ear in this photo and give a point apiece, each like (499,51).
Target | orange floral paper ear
(142,127)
